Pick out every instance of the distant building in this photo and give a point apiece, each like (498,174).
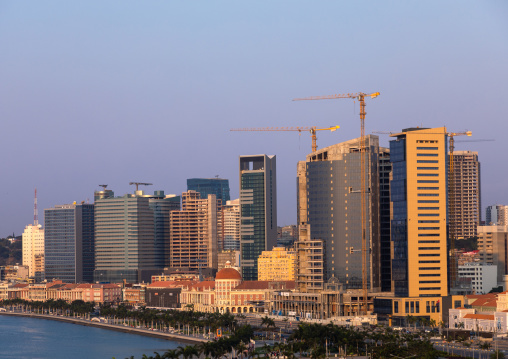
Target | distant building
(33,250)
(466,195)
(229,258)
(205,186)
(231,225)
(279,264)
(483,276)
(496,215)
(258,210)
(69,242)
(493,248)
(311,261)
(195,232)
(162,205)
(124,239)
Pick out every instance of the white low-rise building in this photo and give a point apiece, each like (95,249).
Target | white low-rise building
(483,276)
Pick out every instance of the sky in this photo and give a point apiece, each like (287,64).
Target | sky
(95,92)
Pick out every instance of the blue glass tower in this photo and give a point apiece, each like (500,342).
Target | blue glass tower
(205,186)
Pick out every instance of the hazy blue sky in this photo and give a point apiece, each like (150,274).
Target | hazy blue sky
(95,92)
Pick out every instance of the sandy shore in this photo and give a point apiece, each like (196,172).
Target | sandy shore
(118,328)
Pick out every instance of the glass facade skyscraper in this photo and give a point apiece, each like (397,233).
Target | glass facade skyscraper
(258,210)
(69,242)
(205,186)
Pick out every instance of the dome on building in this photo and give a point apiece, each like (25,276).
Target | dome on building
(228,274)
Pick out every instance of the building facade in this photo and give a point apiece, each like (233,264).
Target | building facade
(279,264)
(33,250)
(124,239)
(195,232)
(496,215)
(493,248)
(205,186)
(466,216)
(69,242)
(231,225)
(419,219)
(329,200)
(483,276)
(258,210)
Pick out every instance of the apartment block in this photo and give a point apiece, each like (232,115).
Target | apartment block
(493,248)
(33,250)
(231,225)
(466,195)
(195,232)
(496,215)
(278,264)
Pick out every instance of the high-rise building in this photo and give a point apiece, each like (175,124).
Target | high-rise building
(496,215)
(162,205)
(205,186)
(466,195)
(279,264)
(33,250)
(195,232)
(69,242)
(419,217)
(493,248)
(385,240)
(124,239)
(329,200)
(231,225)
(258,210)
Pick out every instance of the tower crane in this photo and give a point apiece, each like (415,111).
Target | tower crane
(312,131)
(360,96)
(139,184)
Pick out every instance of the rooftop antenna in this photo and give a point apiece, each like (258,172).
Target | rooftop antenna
(36,213)
(216,176)
(104,186)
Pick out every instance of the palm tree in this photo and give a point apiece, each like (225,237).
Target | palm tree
(241,348)
(188,351)
(171,354)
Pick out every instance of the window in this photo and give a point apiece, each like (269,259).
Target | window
(428,188)
(395,307)
(427,181)
(430,288)
(426,161)
(427,174)
(427,168)
(412,307)
(428,235)
(428,248)
(417,305)
(430,275)
(426,148)
(428,221)
(428,208)
(428,228)
(428,194)
(428,255)
(429,241)
(427,154)
(429,261)
(429,268)
(407,307)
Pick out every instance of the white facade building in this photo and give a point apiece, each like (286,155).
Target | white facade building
(483,276)
(231,213)
(33,250)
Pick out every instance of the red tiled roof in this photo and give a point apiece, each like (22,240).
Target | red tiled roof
(479,316)
(485,302)
(200,286)
(228,273)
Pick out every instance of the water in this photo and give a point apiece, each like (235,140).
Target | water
(47,339)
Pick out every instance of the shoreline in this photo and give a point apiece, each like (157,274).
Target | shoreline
(136,331)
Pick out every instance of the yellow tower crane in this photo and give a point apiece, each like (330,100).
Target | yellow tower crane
(360,96)
(312,131)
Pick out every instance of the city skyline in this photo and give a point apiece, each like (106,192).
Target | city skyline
(111,94)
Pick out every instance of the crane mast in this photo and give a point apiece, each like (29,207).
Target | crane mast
(360,96)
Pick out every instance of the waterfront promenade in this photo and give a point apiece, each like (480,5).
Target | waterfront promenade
(120,328)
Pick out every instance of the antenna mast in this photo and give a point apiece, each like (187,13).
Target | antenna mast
(36,213)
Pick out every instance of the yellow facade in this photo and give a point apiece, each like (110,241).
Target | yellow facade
(426,189)
(277,264)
